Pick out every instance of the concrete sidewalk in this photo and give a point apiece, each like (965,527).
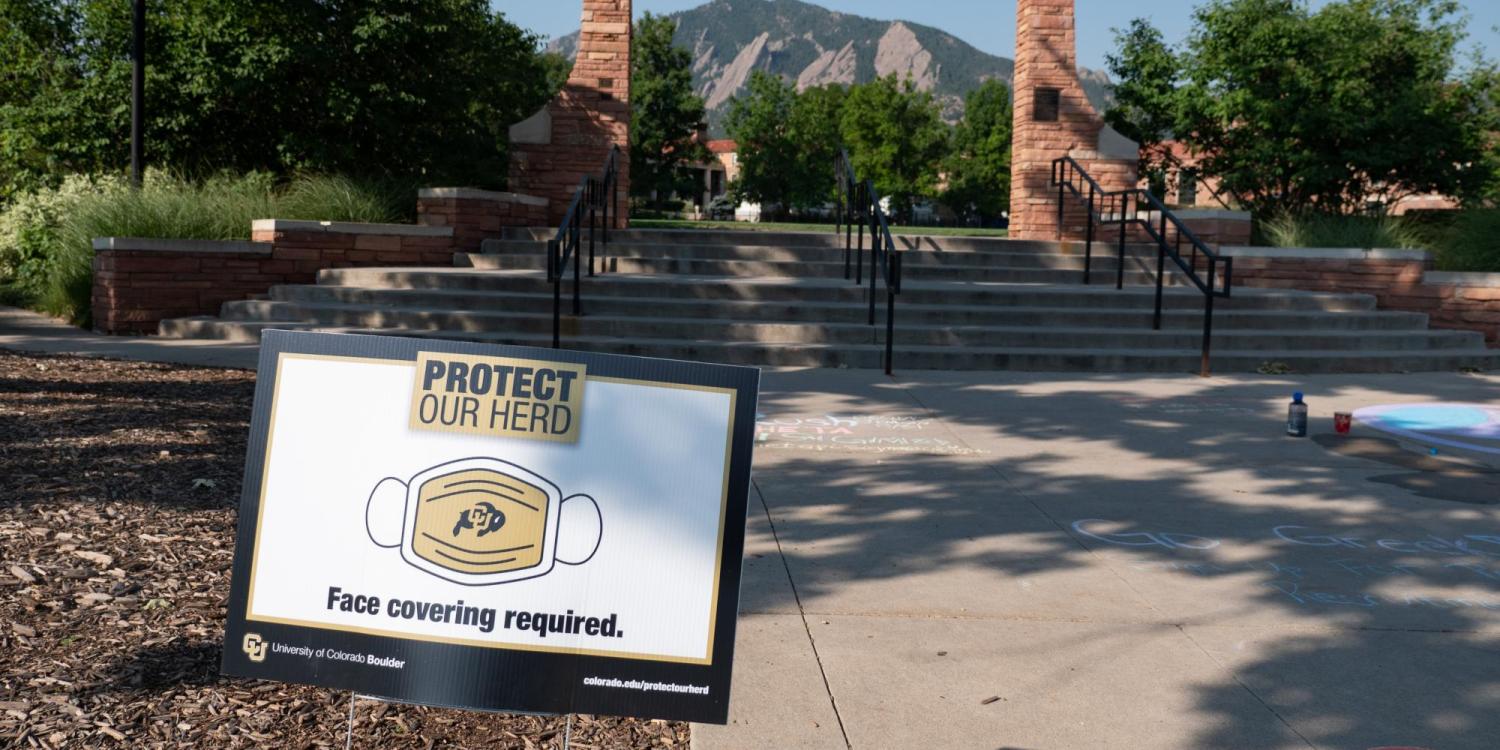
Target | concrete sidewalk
(23,330)
(1062,562)
(1020,560)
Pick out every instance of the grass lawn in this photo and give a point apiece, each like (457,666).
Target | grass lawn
(788,226)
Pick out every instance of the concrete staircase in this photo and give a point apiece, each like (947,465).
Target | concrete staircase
(781,299)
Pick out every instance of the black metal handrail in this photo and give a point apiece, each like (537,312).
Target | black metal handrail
(1164,228)
(859,205)
(595,196)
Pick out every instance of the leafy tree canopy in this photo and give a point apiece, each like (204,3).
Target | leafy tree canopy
(759,121)
(1302,111)
(816,129)
(896,136)
(419,88)
(665,111)
(787,141)
(978,167)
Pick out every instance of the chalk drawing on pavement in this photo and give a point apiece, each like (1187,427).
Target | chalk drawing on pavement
(1472,427)
(856,434)
(1092,528)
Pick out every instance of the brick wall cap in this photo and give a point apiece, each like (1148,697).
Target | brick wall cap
(348,227)
(461,193)
(1204,214)
(1090,157)
(1457,278)
(1325,253)
(158,245)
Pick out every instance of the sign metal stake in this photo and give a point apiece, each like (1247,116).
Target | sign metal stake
(349,736)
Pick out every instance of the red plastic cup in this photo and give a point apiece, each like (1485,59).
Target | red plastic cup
(1342,421)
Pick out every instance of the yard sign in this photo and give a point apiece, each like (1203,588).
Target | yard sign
(493,527)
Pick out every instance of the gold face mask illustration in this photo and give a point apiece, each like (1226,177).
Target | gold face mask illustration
(481,521)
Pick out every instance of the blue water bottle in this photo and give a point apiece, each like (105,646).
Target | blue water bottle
(1296,416)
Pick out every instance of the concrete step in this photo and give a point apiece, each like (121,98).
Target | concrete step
(799,239)
(657,326)
(804,269)
(782,299)
(853,311)
(676,286)
(218,329)
(912,357)
(1104,258)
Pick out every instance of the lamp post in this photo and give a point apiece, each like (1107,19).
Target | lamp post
(138,94)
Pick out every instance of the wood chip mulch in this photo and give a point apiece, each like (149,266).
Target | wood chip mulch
(119,488)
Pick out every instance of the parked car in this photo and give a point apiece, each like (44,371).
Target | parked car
(720,208)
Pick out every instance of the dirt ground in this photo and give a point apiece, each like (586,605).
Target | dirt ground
(119,489)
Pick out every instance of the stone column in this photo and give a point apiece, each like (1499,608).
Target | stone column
(570,138)
(1053,118)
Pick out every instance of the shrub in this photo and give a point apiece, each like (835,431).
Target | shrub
(338,198)
(46,237)
(1471,242)
(1363,232)
(32,251)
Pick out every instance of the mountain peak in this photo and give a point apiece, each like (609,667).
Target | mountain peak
(812,46)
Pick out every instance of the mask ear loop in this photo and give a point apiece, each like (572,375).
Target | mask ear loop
(571,519)
(387,502)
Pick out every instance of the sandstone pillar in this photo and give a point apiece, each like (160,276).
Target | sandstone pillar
(572,135)
(1053,118)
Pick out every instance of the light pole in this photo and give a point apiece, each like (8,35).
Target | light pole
(138,94)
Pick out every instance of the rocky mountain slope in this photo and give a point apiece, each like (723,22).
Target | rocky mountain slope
(812,45)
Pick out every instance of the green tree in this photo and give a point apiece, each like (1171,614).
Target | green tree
(759,120)
(665,111)
(556,68)
(45,129)
(978,166)
(1147,99)
(420,89)
(787,141)
(815,127)
(1297,111)
(896,137)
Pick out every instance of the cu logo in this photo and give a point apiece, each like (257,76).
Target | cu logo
(254,647)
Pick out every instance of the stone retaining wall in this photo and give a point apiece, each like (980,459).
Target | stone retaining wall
(1470,301)
(477,215)
(1217,228)
(1214,228)
(314,245)
(1377,272)
(139,282)
(1399,280)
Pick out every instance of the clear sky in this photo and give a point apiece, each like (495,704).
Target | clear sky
(989,25)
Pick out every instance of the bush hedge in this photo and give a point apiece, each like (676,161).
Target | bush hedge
(46,237)
(1470,241)
(1465,240)
(1341,231)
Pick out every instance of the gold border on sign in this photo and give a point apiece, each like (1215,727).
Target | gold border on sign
(713,607)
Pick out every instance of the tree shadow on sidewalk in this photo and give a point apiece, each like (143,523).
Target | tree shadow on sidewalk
(1372,598)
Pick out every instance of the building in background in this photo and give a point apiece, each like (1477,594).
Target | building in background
(1180,184)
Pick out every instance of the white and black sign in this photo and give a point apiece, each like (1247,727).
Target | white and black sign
(493,527)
